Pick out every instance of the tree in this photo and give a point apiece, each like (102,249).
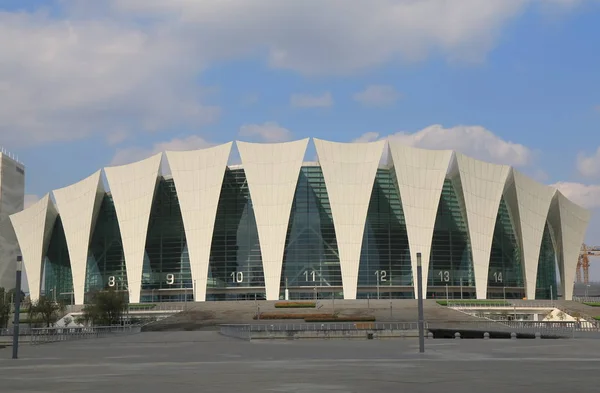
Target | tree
(5,308)
(11,294)
(46,310)
(106,308)
(67,321)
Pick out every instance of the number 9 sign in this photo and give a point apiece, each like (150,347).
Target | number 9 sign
(170,279)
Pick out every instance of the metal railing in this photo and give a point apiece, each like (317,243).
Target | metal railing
(502,304)
(551,325)
(55,334)
(281,330)
(477,305)
(587,299)
(24,330)
(163,307)
(246,331)
(564,329)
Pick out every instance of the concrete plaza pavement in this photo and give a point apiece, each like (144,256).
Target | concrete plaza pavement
(204,361)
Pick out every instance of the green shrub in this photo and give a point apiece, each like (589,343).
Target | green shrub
(28,321)
(141,306)
(341,319)
(475,302)
(592,304)
(295,305)
(275,316)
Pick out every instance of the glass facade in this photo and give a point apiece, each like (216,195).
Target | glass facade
(166,274)
(385,269)
(311,265)
(106,262)
(505,275)
(235,267)
(451,262)
(58,281)
(547,277)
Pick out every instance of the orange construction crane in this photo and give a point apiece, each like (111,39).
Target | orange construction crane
(583,263)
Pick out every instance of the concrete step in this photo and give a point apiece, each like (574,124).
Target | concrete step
(211,314)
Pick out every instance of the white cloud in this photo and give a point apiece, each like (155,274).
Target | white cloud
(367,137)
(134,64)
(589,165)
(336,36)
(77,78)
(30,199)
(377,95)
(116,137)
(324,100)
(267,132)
(132,154)
(475,141)
(585,195)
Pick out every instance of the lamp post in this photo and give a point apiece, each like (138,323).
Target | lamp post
(287,291)
(15,353)
(333,302)
(586,290)
(420,303)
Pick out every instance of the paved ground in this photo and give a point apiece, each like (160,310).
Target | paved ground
(165,362)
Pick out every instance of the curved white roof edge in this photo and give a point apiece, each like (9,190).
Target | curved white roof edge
(420,175)
(133,187)
(78,206)
(349,170)
(272,172)
(198,177)
(316,163)
(33,228)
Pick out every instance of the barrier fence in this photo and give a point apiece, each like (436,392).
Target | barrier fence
(587,299)
(246,331)
(530,326)
(55,334)
(557,329)
(509,304)
(23,331)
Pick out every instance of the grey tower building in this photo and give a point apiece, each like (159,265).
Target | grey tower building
(12,199)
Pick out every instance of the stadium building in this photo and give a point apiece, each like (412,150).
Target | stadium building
(12,198)
(276,227)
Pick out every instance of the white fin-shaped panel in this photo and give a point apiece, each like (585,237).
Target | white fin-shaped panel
(420,174)
(78,206)
(132,187)
(482,185)
(272,171)
(569,222)
(349,170)
(198,177)
(33,227)
(533,200)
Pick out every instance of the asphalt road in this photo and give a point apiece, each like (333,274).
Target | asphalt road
(178,362)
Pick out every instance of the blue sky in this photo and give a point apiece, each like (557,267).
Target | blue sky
(88,84)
